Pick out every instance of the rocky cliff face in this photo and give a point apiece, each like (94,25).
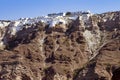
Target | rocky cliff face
(86,48)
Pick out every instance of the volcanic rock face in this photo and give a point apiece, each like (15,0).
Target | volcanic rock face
(85,48)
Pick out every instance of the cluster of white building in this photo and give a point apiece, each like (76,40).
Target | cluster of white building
(50,19)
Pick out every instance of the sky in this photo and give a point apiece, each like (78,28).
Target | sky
(15,9)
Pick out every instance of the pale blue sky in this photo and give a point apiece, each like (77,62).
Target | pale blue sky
(14,9)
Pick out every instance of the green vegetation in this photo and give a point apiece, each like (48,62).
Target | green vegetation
(68,13)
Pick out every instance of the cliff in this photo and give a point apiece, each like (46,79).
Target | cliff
(82,47)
